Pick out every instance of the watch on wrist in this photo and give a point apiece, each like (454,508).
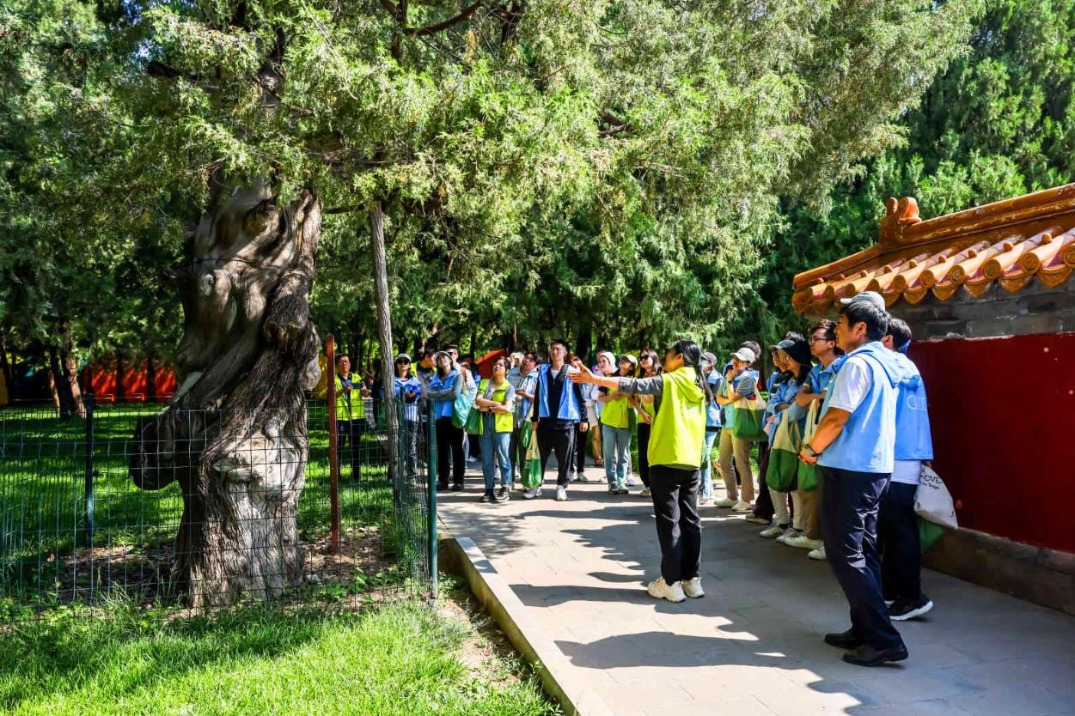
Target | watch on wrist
(811,451)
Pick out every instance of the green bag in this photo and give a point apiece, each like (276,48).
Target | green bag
(474,424)
(532,475)
(783,468)
(808,474)
(461,409)
(748,419)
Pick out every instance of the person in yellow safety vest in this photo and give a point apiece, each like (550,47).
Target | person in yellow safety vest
(496,402)
(350,413)
(675,455)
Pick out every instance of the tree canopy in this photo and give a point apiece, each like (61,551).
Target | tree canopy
(612,170)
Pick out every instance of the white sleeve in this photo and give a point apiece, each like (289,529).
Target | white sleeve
(851,385)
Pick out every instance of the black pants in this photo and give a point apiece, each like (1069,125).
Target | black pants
(643,451)
(901,554)
(849,506)
(763,503)
(562,441)
(449,443)
(675,502)
(580,448)
(349,435)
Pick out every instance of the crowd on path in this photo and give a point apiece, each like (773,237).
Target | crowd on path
(841,440)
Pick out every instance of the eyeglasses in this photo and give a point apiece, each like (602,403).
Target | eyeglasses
(815,339)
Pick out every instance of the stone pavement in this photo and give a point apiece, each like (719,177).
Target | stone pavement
(753,644)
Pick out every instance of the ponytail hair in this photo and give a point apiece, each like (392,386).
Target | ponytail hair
(692,358)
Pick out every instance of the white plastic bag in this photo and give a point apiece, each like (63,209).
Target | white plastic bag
(932,500)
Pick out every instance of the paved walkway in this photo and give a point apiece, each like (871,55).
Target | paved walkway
(753,644)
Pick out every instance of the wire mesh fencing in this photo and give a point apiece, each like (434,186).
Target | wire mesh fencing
(206,509)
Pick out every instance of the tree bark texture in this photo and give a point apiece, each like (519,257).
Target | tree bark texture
(234,435)
(384,332)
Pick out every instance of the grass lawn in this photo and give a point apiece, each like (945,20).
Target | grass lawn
(399,658)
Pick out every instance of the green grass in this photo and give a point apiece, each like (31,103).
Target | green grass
(42,475)
(396,659)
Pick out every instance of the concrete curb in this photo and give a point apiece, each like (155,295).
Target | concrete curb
(461,556)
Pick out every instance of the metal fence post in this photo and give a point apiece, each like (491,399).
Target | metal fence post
(333,448)
(431,461)
(90,473)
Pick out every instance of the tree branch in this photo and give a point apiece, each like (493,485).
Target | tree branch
(433,29)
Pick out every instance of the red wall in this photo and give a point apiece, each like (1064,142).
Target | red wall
(1002,412)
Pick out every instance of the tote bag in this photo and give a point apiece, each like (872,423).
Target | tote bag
(531,473)
(806,473)
(748,419)
(461,410)
(474,424)
(783,465)
(933,502)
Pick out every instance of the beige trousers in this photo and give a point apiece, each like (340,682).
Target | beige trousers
(731,447)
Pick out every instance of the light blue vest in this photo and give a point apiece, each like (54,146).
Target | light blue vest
(569,406)
(867,442)
(913,438)
(443,408)
(712,409)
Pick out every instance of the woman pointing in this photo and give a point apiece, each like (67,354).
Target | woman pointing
(677,440)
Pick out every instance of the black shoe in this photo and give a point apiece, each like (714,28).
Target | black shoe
(442,486)
(868,656)
(845,640)
(487,498)
(504,495)
(904,609)
(457,487)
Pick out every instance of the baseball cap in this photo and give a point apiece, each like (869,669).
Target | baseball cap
(709,358)
(782,345)
(744,354)
(870,296)
(629,358)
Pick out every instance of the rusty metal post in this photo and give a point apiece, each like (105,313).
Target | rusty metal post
(333,447)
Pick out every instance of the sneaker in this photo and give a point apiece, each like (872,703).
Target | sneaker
(623,491)
(504,494)
(693,588)
(757,520)
(773,531)
(631,481)
(704,500)
(904,609)
(818,553)
(889,602)
(645,492)
(532,493)
(726,502)
(866,655)
(487,498)
(789,532)
(659,589)
(582,477)
(801,541)
(561,493)
(742,507)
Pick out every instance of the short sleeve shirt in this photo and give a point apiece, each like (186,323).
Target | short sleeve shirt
(852,384)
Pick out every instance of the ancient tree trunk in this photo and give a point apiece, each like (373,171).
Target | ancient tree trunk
(234,435)
(384,332)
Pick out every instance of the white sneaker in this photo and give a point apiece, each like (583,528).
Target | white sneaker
(726,502)
(757,520)
(573,477)
(818,553)
(743,507)
(645,492)
(659,589)
(693,588)
(801,541)
(631,481)
(773,531)
(788,534)
(532,493)
(561,493)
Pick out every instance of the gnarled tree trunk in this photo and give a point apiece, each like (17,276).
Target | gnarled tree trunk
(234,435)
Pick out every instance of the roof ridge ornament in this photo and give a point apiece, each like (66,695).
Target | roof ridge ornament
(898,216)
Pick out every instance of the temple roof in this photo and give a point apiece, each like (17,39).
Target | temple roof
(1011,243)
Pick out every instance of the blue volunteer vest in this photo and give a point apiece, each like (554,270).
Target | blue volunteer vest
(914,440)
(867,442)
(569,406)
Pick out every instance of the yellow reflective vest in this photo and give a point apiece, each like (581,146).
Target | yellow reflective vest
(615,413)
(350,406)
(503,422)
(678,434)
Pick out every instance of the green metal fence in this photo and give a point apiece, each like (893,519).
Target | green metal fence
(74,528)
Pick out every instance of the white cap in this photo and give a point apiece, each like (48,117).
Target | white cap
(745,354)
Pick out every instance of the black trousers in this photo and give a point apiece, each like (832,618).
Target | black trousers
(562,442)
(349,444)
(580,448)
(643,451)
(901,553)
(675,502)
(449,443)
(849,506)
(763,503)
